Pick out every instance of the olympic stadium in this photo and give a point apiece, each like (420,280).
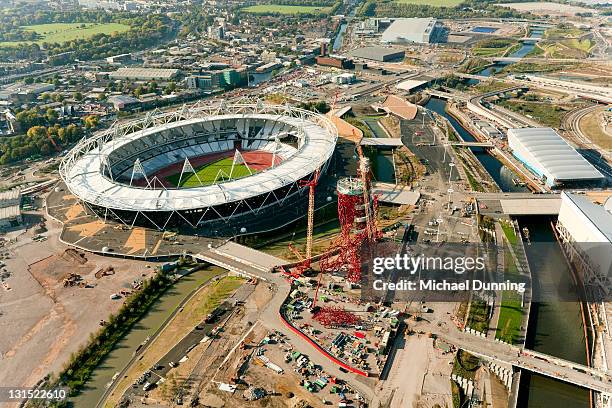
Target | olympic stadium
(201,164)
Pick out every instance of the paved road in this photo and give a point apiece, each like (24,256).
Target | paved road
(200,332)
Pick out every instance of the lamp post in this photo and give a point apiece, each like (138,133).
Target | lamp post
(450,173)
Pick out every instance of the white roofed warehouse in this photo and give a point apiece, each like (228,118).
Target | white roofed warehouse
(552,159)
(411,30)
(200,164)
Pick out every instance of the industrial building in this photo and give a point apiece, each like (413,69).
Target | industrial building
(10,209)
(549,157)
(585,230)
(145,74)
(217,80)
(381,54)
(335,61)
(124,102)
(411,30)
(22,92)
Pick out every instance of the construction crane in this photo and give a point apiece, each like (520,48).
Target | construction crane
(364,170)
(311,204)
(306,260)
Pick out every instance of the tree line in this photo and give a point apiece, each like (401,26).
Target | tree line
(467,9)
(43,135)
(146,30)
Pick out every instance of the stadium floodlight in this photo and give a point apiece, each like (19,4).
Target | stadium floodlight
(188,168)
(138,170)
(239,159)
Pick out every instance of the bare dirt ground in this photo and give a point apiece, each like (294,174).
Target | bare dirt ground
(591,126)
(420,375)
(41,321)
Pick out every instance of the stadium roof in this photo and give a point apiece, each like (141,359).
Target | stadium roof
(83,176)
(553,155)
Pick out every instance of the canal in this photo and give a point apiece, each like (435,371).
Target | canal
(555,328)
(501,174)
(121,354)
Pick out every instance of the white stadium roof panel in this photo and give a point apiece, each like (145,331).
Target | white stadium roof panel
(82,168)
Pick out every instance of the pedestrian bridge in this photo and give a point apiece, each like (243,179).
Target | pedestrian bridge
(517,204)
(382,141)
(240,259)
(472,144)
(543,364)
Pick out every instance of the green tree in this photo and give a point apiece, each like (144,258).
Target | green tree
(91,121)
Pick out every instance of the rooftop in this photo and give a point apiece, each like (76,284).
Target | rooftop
(145,73)
(403,29)
(597,214)
(553,154)
(375,53)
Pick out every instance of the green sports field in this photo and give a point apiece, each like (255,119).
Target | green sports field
(435,3)
(208,172)
(63,32)
(285,9)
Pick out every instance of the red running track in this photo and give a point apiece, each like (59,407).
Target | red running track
(255,159)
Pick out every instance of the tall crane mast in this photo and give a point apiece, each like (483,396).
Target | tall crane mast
(311,207)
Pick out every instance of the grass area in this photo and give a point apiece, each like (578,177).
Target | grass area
(359,124)
(569,48)
(219,170)
(435,3)
(558,33)
(509,232)
(495,47)
(64,32)
(529,67)
(510,318)
(479,316)
(489,86)
(285,9)
(474,65)
(457,394)
(545,113)
(194,311)
(591,127)
(322,236)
